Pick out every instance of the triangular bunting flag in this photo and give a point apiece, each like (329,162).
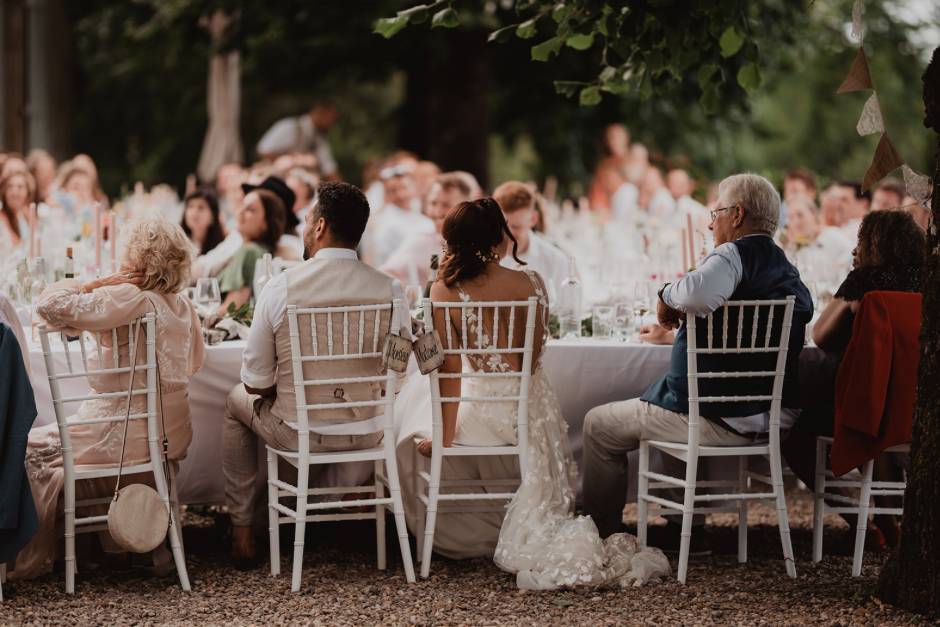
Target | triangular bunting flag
(858,29)
(871,120)
(859,77)
(918,186)
(885,161)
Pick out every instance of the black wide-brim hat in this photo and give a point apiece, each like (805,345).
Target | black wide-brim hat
(277,186)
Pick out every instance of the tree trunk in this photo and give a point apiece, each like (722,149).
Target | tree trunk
(911,577)
(15,77)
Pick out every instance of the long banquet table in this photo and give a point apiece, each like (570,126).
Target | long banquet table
(583,374)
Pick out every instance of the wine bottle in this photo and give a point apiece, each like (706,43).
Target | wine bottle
(69,264)
(569,303)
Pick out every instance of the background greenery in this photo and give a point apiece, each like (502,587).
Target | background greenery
(140,86)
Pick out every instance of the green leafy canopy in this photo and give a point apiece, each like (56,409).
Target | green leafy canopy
(707,48)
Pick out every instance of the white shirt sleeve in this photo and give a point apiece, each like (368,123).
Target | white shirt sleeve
(281,137)
(259,360)
(706,288)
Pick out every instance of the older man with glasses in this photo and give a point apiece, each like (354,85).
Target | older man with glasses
(746,264)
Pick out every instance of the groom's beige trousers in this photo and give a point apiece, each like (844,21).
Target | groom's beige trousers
(245,422)
(613,430)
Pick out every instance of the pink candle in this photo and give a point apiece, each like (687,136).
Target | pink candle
(685,255)
(691,235)
(112,235)
(98,235)
(32,230)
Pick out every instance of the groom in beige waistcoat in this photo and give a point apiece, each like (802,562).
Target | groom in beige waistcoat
(332,275)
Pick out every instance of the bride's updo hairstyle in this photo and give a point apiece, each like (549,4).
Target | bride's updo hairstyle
(472,233)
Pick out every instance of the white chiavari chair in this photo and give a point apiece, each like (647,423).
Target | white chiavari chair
(91,362)
(860,507)
(766,338)
(359,341)
(430,489)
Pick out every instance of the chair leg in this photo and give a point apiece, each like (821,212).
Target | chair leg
(176,545)
(300,525)
(380,519)
(3,578)
(642,491)
(69,502)
(819,500)
(433,494)
(742,510)
(274,517)
(688,507)
(398,509)
(420,512)
(783,519)
(861,525)
(176,532)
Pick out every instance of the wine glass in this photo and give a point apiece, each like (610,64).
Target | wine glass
(641,302)
(208,298)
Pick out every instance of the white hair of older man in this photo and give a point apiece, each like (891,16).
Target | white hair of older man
(757,195)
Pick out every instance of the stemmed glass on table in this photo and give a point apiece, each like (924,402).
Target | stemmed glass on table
(641,301)
(208,297)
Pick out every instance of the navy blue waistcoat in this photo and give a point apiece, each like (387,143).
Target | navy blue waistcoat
(766,274)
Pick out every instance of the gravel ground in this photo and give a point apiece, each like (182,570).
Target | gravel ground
(342,586)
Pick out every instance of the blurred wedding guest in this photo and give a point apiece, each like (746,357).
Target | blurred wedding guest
(201,221)
(17,194)
(615,144)
(228,189)
(304,185)
(745,263)
(517,201)
(681,186)
(43,168)
(809,243)
(654,196)
(888,194)
(799,183)
(399,219)
(260,225)
(639,155)
(625,201)
(410,264)
(154,269)
(304,133)
(259,409)
(13,163)
(830,207)
(920,213)
(854,203)
(889,256)
(78,184)
(425,173)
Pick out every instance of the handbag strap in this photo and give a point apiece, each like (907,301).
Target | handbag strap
(130,387)
(130,391)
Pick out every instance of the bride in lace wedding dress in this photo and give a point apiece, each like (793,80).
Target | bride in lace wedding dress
(539,538)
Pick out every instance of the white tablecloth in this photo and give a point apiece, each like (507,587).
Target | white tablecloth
(583,373)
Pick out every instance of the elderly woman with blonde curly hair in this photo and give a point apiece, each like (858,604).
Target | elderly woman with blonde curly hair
(154,269)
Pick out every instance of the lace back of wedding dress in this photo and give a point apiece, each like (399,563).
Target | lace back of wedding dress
(540,540)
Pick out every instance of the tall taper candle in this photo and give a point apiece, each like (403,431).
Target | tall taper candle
(98,235)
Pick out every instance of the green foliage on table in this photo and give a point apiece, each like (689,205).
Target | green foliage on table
(242,314)
(554,326)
